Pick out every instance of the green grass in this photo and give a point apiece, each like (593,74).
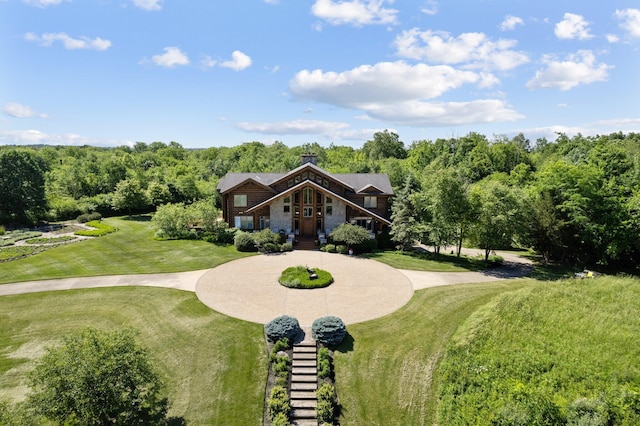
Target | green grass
(215,366)
(385,368)
(131,250)
(101,230)
(51,240)
(427,261)
(533,353)
(298,277)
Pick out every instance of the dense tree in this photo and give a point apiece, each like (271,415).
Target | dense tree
(384,145)
(350,235)
(129,196)
(98,378)
(22,186)
(404,227)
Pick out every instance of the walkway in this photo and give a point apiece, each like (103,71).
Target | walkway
(248,288)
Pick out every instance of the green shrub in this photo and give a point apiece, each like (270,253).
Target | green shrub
(329,248)
(329,330)
(280,345)
(267,241)
(281,365)
(221,234)
(327,403)
(2,230)
(342,249)
(324,363)
(51,240)
(280,419)
(282,327)
(300,277)
(101,229)
(88,217)
(286,247)
(278,402)
(244,242)
(588,412)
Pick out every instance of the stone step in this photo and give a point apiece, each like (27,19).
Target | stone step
(304,413)
(300,349)
(304,355)
(303,403)
(304,363)
(303,394)
(304,386)
(304,370)
(304,422)
(306,378)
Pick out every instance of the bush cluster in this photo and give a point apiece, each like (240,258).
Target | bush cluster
(244,242)
(329,248)
(282,327)
(278,405)
(101,229)
(324,363)
(327,404)
(265,241)
(88,217)
(329,330)
(300,277)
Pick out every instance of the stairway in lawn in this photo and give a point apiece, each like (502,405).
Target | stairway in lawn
(304,383)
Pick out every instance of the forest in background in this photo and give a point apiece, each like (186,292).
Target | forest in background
(574,200)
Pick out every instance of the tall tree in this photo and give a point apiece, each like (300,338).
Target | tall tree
(404,227)
(384,145)
(129,196)
(22,186)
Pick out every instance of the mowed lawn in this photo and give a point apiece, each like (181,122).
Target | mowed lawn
(427,261)
(215,366)
(131,250)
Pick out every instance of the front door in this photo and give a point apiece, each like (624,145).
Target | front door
(308,224)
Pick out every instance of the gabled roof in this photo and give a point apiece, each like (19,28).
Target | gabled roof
(322,189)
(352,181)
(370,189)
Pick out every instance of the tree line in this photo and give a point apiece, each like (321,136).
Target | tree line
(575,200)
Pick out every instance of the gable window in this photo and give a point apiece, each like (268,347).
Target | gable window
(304,176)
(243,222)
(325,183)
(287,205)
(307,196)
(371,202)
(240,200)
(290,183)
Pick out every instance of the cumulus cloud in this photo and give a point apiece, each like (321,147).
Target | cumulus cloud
(43,3)
(17,110)
(573,26)
(32,136)
(69,42)
(294,127)
(171,57)
(630,21)
(398,92)
(238,62)
(577,69)
(612,38)
(355,12)
(510,23)
(148,4)
(472,50)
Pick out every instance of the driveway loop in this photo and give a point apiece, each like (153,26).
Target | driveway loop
(248,288)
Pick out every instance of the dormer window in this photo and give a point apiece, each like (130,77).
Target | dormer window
(371,202)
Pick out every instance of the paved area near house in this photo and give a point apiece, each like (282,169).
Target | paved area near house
(248,288)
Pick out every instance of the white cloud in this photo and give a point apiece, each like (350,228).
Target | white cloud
(208,62)
(576,69)
(473,50)
(630,21)
(238,62)
(294,127)
(511,22)
(31,136)
(398,92)
(43,3)
(69,42)
(21,111)
(171,57)
(430,7)
(573,26)
(355,12)
(148,4)
(612,38)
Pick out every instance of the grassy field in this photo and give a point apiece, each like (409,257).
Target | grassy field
(427,261)
(215,366)
(131,250)
(554,352)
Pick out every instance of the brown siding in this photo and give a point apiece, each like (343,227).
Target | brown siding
(255,195)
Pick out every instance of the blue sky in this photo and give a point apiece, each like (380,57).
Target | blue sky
(220,73)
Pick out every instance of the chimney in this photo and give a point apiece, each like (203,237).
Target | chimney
(310,158)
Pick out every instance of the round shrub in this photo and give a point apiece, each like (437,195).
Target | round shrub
(342,249)
(281,327)
(303,277)
(329,330)
(244,241)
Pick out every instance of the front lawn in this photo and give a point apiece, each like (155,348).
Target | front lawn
(131,250)
(419,261)
(215,366)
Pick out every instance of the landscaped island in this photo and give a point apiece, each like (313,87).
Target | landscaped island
(304,277)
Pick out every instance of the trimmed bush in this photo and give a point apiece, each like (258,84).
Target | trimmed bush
(101,229)
(267,241)
(342,249)
(88,217)
(300,277)
(329,330)
(324,363)
(286,247)
(329,248)
(327,403)
(280,419)
(244,242)
(282,327)
(278,403)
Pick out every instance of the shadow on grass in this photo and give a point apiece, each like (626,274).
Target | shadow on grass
(138,218)
(346,345)
(176,421)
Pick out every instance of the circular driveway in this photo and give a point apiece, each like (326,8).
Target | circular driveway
(248,288)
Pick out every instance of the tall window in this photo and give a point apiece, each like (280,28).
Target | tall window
(307,196)
(287,204)
(240,200)
(243,222)
(265,222)
(371,202)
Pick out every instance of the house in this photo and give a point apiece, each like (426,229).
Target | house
(307,201)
